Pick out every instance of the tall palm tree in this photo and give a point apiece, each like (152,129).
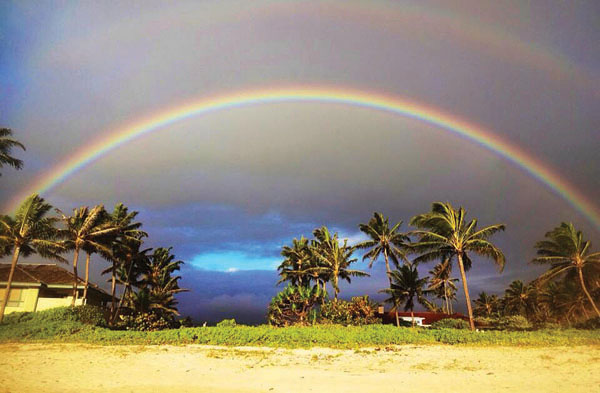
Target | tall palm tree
(442,284)
(131,262)
(158,285)
(297,261)
(335,257)
(565,251)
(87,229)
(384,240)
(486,305)
(6,146)
(31,231)
(406,287)
(444,232)
(128,235)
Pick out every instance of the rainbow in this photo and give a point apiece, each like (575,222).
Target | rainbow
(386,103)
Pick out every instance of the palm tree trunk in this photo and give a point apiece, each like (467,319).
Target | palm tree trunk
(87,276)
(120,303)
(446,298)
(586,291)
(127,288)
(412,316)
(335,287)
(468,298)
(113,289)
(387,269)
(75,258)
(13,266)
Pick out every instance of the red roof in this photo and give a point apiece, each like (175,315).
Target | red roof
(428,317)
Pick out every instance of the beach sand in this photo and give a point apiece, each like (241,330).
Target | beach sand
(194,368)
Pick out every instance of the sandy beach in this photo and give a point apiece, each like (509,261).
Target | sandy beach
(76,368)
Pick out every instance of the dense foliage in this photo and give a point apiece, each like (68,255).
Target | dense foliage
(65,325)
(149,281)
(450,323)
(295,305)
(358,311)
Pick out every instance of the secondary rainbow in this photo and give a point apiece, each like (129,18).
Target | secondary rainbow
(386,103)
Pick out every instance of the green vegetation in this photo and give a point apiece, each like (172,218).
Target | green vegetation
(6,146)
(66,325)
(359,310)
(150,285)
(31,231)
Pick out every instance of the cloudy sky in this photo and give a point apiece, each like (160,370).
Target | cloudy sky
(228,189)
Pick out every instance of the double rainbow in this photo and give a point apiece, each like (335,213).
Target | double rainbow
(396,105)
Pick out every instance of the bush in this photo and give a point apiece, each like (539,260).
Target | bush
(145,322)
(227,323)
(592,323)
(358,311)
(294,305)
(186,322)
(513,322)
(450,323)
(91,315)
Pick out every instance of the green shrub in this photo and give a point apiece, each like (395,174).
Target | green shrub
(186,322)
(512,322)
(294,305)
(227,323)
(592,323)
(547,326)
(145,322)
(334,336)
(450,323)
(358,311)
(91,315)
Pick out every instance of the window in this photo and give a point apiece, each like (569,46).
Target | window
(15,298)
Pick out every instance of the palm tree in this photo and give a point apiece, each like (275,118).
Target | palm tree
(6,145)
(486,305)
(297,261)
(131,262)
(86,230)
(406,287)
(31,231)
(550,302)
(566,251)
(335,258)
(519,299)
(158,286)
(384,240)
(442,284)
(128,234)
(444,232)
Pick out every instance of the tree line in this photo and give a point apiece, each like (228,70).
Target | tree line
(567,291)
(146,275)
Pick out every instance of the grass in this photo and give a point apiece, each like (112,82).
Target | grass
(63,325)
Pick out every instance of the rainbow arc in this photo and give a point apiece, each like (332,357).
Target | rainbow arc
(379,102)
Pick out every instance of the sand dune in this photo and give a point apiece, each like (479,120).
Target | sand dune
(85,368)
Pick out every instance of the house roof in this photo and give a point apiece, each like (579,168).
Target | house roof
(45,274)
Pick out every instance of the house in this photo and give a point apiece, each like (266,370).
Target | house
(37,287)
(425,318)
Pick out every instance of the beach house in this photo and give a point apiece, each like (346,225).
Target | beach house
(37,287)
